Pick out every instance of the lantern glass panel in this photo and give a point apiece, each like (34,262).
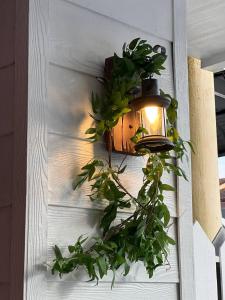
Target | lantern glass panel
(153,120)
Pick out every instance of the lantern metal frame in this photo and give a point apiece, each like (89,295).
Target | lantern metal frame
(150,97)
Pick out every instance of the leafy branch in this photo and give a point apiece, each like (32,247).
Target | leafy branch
(143,235)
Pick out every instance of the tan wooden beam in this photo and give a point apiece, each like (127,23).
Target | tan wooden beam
(205,179)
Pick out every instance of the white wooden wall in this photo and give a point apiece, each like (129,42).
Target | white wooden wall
(69,40)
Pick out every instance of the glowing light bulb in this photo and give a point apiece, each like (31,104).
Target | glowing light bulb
(151,113)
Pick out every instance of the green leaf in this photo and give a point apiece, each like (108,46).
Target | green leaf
(94,163)
(142,130)
(191,146)
(166,214)
(109,216)
(113,279)
(58,253)
(133,43)
(81,240)
(125,110)
(90,131)
(126,269)
(78,182)
(171,241)
(71,248)
(95,101)
(167,187)
(102,266)
(141,228)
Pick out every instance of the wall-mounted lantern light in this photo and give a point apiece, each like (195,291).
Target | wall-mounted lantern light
(147,111)
(151,108)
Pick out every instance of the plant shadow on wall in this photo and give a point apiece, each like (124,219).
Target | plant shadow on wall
(143,234)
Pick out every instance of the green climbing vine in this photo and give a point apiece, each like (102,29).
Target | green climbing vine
(143,235)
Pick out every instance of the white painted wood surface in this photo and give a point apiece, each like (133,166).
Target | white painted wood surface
(74,65)
(123,291)
(206,28)
(222,269)
(80,37)
(35,284)
(184,195)
(98,37)
(140,14)
(204,265)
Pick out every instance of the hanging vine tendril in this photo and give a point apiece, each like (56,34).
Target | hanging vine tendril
(143,235)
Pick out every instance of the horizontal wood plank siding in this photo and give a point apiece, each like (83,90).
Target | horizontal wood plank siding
(139,14)
(73,39)
(98,37)
(79,41)
(128,291)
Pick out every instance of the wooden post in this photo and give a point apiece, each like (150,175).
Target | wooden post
(205,179)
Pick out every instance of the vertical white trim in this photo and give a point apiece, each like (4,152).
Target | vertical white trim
(35,284)
(204,266)
(184,194)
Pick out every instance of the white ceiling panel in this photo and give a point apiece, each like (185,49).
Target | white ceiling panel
(206,29)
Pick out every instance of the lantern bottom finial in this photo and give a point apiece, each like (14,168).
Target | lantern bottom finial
(154,144)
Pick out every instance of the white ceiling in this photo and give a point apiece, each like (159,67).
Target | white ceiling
(206,31)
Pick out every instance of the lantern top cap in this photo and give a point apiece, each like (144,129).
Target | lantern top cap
(154,100)
(150,96)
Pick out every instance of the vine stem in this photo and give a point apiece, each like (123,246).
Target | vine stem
(128,193)
(110,149)
(115,178)
(123,188)
(120,166)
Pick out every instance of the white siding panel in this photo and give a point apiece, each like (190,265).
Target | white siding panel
(68,43)
(140,14)
(67,224)
(128,291)
(66,156)
(69,104)
(81,40)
